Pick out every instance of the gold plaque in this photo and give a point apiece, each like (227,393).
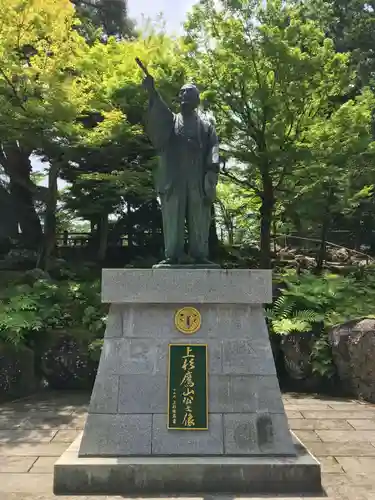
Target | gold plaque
(188,320)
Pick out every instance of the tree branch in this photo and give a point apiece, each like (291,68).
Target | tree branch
(242,182)
(87,3)
(13,89)
(281,178)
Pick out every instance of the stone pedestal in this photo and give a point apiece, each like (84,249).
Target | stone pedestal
(126,446)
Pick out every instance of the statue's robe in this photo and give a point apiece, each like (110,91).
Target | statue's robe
(188,149)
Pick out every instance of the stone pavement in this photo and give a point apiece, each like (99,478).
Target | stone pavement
(35,431)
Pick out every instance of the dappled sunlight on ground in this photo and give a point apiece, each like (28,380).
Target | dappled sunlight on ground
(35,431)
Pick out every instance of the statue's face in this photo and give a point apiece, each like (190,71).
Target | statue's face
(189,97)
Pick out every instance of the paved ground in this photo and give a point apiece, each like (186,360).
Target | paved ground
(34,432)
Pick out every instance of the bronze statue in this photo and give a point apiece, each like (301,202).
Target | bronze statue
(187,175)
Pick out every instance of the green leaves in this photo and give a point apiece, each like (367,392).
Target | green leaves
(299,322)
(321,358)
(46,306)
(39,85)
(309,303)
(327,300)
(271,75)
(286,319)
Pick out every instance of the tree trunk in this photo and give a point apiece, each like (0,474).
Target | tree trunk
(28,219)
(266,212)
(274,236)
(230,229)
(129,225)
(321,257)
(16,163)
(213,240)
(265,235)
(103,237)
(49,240)
(8,219)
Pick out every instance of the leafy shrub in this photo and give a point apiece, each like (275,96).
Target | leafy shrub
(28,311)
(340,298)
(17,375)
(315,303)
(285,318)
(19,258)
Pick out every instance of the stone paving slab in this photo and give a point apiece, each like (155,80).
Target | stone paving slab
(43,465)
(347,436)
(341,449)
(27,436)
(26,483)
(357,464)
(314,424)
(309,407)
(293,414)
(330,465)
(361,424)
(24,422)
(10,464)
(339,414)
(36,431)
(308,436)
(65,436)
(32,450)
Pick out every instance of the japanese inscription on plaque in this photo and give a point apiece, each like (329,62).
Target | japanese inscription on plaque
(187,387)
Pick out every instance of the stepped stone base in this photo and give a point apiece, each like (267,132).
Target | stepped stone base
(154,476)
(127,448)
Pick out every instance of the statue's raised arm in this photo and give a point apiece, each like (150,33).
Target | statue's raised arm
(160,118)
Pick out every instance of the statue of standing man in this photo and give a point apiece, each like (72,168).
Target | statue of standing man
(187,173)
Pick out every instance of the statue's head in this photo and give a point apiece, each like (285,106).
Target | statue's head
(189,97)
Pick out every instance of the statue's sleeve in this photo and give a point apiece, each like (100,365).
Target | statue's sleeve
(160,120)
(213,160)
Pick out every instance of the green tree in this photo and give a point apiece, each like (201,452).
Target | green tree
(236,213)
(108,158)
(271,73)
(104,18)
(77,105)
(340,175)
(352,28)
(40,93)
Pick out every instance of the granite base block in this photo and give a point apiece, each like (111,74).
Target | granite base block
(173,475)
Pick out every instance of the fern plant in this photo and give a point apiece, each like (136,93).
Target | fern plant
(290,315)
(316,303)
(285,319)
(321,357)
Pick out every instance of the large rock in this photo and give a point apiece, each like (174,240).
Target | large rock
(297,348)
(17,376)
(353,349)
(65,362)
(339,340)
(362,359)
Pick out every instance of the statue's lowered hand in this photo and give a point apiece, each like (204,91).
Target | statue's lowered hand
(210,183)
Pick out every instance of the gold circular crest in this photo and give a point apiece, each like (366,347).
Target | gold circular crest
(188,320)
